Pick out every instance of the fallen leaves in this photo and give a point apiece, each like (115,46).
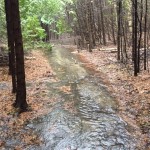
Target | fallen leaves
(65,89)
(38,72)
(2,143)
(4,74)
(30,139)
(38,67)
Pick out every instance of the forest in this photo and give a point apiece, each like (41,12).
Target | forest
(74,74)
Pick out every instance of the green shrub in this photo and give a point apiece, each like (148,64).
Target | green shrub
(32,31)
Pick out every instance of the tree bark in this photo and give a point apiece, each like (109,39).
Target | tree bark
(135,38)
(119,10)
(145,35)
(20,70)
(102,23)
(10,36)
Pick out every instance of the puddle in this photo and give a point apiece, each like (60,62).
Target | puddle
(94,126)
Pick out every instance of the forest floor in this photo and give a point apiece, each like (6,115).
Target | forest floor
(38,71)
(132,93)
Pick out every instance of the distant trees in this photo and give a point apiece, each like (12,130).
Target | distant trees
(44,19)
(140,36)
(122,22)
(96,19)
(15,45)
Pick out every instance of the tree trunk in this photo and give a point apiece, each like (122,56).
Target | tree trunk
(145,35)
(102,23)
(10,36)
(20,71)
(119,10)
(89,27)
(135,38)
(140,35)
(112,25)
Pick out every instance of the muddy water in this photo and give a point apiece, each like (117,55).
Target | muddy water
(94,125)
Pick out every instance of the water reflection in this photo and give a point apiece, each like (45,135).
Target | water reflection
(95,126)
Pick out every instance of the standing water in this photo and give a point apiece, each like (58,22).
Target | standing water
(95,125)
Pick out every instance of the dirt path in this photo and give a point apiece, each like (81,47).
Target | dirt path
(72,107)
(86,115)
(132,93)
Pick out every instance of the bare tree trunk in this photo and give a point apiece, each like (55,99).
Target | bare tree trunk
(102,23)
(20,70)
(99,24)
(119,10)
(140,35)
(112,26)
(135,38)
(10,35)
(145,36)
(89,25)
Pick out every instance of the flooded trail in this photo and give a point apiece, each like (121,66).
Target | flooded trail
(94,125)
